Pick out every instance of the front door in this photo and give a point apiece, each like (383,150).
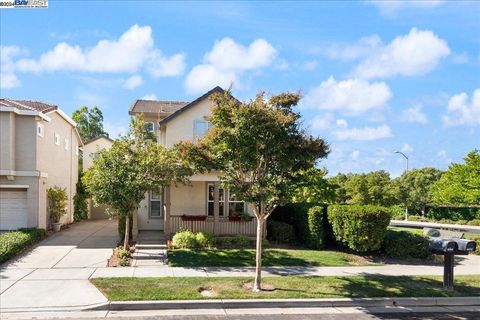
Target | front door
(150,215)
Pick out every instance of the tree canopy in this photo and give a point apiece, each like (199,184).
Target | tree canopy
(260,149)
(89,122)
(460,184)
(134,165)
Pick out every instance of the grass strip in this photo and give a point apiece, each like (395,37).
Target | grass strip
(189,288)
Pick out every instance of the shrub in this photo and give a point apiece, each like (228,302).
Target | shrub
(453,213)
(204,239)
(80,206)
(280,231)
(184,239)
(242,241)
(225,242)
(122,253)
(315,228)
(474,222)
(417,218)
(360,228)
(13,242)
(404,245)
(477,249)
(397,212)
(57,203)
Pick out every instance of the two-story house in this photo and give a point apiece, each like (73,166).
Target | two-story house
(39,147)
(90,153)
(202,204)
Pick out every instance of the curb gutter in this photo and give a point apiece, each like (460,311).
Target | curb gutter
(292,303)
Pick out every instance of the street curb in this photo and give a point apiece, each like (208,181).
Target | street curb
(291,303)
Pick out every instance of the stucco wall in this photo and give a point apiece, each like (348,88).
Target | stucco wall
(180,128)
(91,148)
(59,164)
(188,199)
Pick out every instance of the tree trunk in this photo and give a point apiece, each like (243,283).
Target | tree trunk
(257,287)
(127,232)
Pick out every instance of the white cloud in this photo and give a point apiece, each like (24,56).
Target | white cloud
(414,114)
(322,122)
(351,96)
(407,148)
(8,79)
(416,53)
(443,156)
(226,62)
(133,82)
(461,111)
(150,96)
(460,58)
(363,48)
(363,134)
(342,123)
(133,50)
(354,155)
(392,6)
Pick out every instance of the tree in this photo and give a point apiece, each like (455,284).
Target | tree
(460,184)
(134,165)
(414,189)
(373,188)
(259,148)
(313,187)
(89,122)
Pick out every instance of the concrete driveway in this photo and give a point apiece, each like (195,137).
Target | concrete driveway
(55,272)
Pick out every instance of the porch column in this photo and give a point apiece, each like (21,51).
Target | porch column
(216,207)
(166,213)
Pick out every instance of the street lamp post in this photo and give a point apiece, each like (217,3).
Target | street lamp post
(406,170)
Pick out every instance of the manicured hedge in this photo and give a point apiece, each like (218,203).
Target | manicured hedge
(280,231)
(405,245)
(316,234)
(307,227)
(453,213)
(360,228)
(12,243)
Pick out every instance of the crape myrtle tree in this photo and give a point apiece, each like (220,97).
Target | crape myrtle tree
(134,165)
(259,149)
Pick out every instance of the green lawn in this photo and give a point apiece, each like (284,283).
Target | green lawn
(171,288)
(271,257)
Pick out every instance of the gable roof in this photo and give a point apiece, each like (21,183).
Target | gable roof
(98,137)
(217,89)
(155,107)
(29,105)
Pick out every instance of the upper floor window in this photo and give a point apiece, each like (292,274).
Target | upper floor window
(40,130)
(65,143)
(56,139)
(200,127)
(150,126)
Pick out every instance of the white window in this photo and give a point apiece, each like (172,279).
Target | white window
(95,155)
(235,206)
(155,205)
(150,126)
(200,127)
(65,143)
(40,130)
(57,139)
(210,201)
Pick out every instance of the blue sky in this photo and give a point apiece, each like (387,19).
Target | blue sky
(376,77)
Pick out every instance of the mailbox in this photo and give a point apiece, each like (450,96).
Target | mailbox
(465,245)
(443,245)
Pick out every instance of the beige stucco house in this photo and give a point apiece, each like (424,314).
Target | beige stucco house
(39,149)
(201,205)
(90,152)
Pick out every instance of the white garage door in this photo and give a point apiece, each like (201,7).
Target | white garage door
(13,210)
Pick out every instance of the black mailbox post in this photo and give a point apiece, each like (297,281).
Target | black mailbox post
(449,248)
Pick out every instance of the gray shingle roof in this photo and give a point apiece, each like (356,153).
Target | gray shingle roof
(29,105)
(162,108)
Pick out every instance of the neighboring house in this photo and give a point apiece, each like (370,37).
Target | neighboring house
(39,149)
(201,205)
(90,153)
